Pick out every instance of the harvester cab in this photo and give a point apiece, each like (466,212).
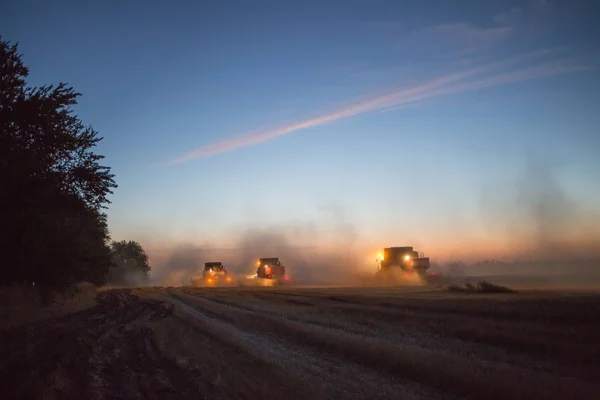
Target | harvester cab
(214,268)
(405,258)
(215,272)
(271,268)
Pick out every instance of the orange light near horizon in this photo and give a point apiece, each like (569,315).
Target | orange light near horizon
(228,279)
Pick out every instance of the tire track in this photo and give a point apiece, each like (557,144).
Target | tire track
(327,376)
(400,330)
(450,373)
(550,346)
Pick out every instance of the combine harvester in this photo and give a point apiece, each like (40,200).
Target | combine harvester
(404,265)
(214,274)
(270,272)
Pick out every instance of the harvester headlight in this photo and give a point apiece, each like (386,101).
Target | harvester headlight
(380,256)
(407,257)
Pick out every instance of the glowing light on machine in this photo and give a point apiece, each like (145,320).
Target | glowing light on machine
(228,279)
(407,257)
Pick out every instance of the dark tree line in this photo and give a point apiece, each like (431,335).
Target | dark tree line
(53,187)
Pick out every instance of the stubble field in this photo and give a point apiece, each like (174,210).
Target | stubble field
(298,343)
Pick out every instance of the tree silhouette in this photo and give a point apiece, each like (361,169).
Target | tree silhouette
(130,263)
(52,187)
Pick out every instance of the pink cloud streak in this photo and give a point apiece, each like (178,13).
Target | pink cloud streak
(429,90)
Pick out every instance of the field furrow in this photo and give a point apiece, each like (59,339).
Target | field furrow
(298,343)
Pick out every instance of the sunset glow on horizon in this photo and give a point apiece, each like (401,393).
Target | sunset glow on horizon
(465,130)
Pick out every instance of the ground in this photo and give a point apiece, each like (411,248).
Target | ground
(317,343)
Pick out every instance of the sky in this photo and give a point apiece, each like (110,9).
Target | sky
(442,125)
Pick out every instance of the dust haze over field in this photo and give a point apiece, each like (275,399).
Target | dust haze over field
(539,216)
(541,229)
(545,231)
(312,255)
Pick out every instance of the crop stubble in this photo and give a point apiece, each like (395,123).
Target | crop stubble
(309,343)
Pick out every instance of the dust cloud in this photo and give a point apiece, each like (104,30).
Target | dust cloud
(327,253)
(540,229)
(548,217)
(546,231)
(181,264)
(307,264)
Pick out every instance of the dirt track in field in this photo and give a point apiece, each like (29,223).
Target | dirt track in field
(291,343)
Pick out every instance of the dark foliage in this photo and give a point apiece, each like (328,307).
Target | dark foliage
(129,263)
(52,187)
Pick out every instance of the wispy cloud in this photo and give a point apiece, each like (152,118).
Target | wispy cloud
(442,86)
(536,72)
(460,38)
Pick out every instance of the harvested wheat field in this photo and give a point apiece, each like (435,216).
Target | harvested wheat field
(299,343)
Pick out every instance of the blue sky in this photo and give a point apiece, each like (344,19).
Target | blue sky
(355,105)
